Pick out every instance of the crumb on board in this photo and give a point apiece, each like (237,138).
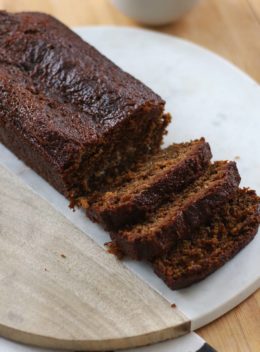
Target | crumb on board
(173,305)
(237,157)
(45,269)
(63,255)
(112,248)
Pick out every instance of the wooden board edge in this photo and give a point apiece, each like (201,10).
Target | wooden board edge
(95,345)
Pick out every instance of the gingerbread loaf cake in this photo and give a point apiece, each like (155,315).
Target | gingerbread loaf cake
(179,216)
(135,194)
(66,110)
(231,228)
(94,133)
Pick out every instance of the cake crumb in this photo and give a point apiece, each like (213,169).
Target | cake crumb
(63,255)
(237,157)
(112,248)
(83,202)
(45,269)
(173,305)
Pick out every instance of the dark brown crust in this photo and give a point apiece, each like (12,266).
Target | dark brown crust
(180,175)
(186,220)
(197,273)
(86,104)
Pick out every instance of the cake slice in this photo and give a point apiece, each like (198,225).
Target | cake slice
(66,110)
(232,227)
(178,217)
(144,189)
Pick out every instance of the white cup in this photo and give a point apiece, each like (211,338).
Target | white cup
(154,12)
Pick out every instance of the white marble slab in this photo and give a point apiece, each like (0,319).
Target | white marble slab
(208,97)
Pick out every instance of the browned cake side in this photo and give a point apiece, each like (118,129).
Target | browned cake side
(177,218)
(231,228)
(144,189)
(66,110)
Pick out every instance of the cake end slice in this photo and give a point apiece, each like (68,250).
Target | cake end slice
(232,227)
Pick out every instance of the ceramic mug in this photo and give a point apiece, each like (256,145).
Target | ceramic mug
(154,12)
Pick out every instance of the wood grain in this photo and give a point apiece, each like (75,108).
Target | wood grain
(230,28)
(238,330)
(61,290)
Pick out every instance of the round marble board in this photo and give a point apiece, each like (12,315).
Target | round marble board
(207,96)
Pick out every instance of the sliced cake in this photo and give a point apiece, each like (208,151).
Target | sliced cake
(137,193)
(179,216)
(232,227)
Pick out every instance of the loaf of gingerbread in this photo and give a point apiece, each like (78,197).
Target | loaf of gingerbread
(66,110)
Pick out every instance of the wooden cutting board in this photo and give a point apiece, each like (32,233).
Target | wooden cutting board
(61,290)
